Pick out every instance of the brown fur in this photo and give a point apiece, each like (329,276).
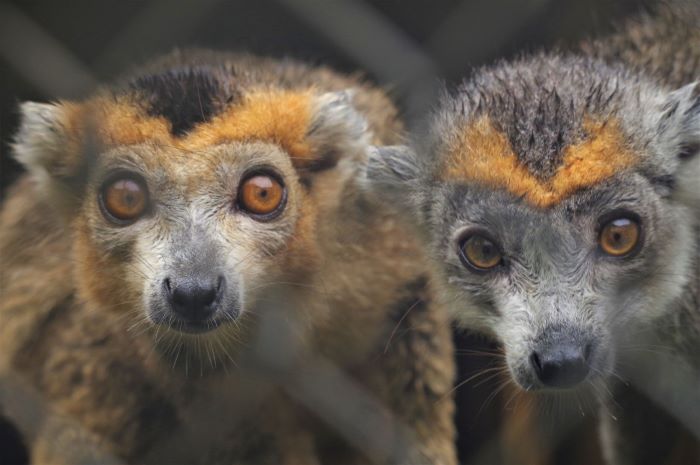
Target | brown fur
(281,117)
(357,297)
(484,155)
(665,43)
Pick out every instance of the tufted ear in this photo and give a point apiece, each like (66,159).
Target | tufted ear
(391,167)
(680,127)
(38,143)
(393,173)
(680,120)
(337,130)
(50,145)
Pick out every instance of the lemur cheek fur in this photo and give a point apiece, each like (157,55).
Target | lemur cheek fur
(94,286)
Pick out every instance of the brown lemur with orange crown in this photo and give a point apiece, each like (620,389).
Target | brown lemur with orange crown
(157,220)
(559,197)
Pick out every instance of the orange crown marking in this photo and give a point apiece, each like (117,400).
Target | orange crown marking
(280,117)
(484,155)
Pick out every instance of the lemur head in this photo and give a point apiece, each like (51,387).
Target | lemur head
(190,191)
(556,195)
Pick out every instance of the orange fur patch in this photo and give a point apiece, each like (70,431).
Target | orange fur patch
(484,155)
(280,117)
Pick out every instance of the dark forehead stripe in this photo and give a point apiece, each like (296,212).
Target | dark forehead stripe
(539,126)
(185,97)
(540,105)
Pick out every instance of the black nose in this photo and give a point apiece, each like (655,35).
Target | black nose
(194,300)
(561,365)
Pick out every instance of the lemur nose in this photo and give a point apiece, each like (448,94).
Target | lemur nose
(194,300)
(561,366)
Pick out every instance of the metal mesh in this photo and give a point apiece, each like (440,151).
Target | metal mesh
(413,65)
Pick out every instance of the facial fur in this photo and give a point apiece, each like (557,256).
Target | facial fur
(537,155)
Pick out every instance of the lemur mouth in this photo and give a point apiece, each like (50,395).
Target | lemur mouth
(196,327)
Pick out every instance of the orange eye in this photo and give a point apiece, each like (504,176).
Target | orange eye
(481,252)
(619,236)
(261,194)
(124,199)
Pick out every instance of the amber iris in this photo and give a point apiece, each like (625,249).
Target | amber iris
(619,237)
(481,252)
(260,194)
(125,199)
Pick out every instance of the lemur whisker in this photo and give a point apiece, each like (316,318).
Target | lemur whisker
(470,378)
(287,283)
(403,317)
(492,396)
(480,353)
(517,393)
(492,376)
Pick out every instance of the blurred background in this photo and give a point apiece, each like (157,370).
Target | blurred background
(51,49)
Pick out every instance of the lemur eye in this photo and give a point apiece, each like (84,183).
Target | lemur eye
(124,198)
(262,195)
(619,236)
(479,252)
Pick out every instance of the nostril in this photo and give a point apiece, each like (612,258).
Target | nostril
(207,296)
(587,352)
(561,366)
(194,299)
(536,364)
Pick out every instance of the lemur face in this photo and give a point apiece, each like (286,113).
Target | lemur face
(557,199)
(560,286)
(190,198)
(199,235)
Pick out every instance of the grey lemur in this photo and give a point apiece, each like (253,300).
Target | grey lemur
(143,251)
(559,197)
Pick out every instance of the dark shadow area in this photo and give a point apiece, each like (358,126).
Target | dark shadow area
(13,451)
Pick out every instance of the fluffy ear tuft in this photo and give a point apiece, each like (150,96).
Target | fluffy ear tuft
(40,140)
(335,111)
(393,174)
(681,125)
(391,167)
(337,131)
(681,120)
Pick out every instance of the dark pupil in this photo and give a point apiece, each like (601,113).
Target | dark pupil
(129,199)
(263,193)
(618,225)
(483,249)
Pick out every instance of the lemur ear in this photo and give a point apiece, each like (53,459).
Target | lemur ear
(337,130)
(393,174)
(40,142)
(681,123)
(681,118)
(391,167)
